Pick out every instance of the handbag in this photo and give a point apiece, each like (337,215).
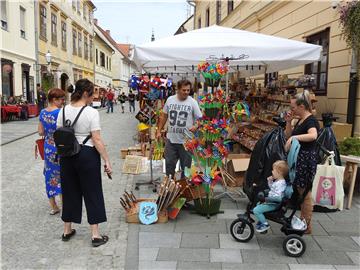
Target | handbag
(327,190)
(39,148)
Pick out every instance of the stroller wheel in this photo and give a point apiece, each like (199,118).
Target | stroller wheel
(294,246)
(242,230)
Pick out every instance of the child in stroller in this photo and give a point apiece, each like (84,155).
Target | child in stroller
(273,197)
(242,228)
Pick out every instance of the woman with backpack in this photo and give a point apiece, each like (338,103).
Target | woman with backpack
(46,128)
(81,171)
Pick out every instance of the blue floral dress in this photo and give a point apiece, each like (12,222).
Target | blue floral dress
(52,165)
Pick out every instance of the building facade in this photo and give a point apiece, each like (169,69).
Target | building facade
(18,58)
(65,30)
(309,21)
(104,52)
(127,67)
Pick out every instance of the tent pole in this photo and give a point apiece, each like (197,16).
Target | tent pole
(227,84)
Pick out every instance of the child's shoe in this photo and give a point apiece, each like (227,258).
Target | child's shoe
(262,227)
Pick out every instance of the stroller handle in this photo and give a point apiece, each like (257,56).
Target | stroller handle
(326,152)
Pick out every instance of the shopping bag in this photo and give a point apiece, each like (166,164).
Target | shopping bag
(328,190)
(39,148)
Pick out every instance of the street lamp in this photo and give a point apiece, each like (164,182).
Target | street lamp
(48,59)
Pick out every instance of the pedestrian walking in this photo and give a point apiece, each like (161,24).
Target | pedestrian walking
(46,128)
(122,99)
(305,131)
(110,101)
(131,99)
(182,111)
(81,173)
(41,97)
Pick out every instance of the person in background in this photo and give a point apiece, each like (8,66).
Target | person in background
(131,99)
(306,131)
(182,111)
(81,174)
(46,128)
(122,99)
(110,101)
(41,97)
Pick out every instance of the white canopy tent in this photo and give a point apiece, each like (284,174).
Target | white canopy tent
(250,53)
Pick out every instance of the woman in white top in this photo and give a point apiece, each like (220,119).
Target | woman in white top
(81,173)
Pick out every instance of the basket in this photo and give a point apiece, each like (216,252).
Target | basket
(207,207)
(133,216)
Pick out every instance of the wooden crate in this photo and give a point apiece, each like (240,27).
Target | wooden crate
(133,216)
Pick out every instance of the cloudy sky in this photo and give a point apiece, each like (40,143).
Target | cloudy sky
(132,21)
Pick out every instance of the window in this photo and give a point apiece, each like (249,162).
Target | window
(91,50)
(74,4)
(78,6)
(3,15)
(22,22)
(42,22)
(53,29)
(91,15)
(86,47)
(218,12)
(107,62)
(207,18)
(230,6)
(110,64)
(74,42)
(102,59)
(84,11)
(96,55)
(79,44)
(320,68)
(199,23)
(63,35)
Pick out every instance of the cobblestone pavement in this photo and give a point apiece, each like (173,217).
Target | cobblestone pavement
(31,238)
(18,129)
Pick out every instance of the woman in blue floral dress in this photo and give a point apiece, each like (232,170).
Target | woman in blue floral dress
(46,128)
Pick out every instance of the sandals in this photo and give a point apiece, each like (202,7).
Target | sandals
(99,241)
(54,212)
(66,237)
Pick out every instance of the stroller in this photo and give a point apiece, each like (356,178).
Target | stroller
(255,187)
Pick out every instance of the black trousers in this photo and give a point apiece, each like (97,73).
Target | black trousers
(81,178)
(174,152)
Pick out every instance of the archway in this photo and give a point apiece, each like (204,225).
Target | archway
(64,81)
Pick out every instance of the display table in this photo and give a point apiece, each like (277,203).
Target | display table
(9,111)
(352,163)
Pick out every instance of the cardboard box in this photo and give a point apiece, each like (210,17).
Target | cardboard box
(236,165)
(341,130)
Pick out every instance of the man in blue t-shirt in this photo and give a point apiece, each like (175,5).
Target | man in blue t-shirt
(181,110)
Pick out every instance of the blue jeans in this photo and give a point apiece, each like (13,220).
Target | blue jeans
(110,106)
(262,208)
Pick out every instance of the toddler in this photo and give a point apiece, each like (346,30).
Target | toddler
(277,185)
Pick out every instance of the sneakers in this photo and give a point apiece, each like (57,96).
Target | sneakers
(262,227)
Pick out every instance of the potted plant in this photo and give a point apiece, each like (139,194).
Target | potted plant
(350,146)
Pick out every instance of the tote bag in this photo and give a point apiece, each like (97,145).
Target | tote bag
(328,190)
(39,148)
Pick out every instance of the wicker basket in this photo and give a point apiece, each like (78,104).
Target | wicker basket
(133,216)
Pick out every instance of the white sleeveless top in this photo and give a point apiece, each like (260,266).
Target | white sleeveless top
(88,121)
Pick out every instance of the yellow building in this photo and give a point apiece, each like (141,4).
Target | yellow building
(309,21)
(17,50)
(104,51)
(66,30)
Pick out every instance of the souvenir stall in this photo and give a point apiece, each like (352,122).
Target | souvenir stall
(224,51)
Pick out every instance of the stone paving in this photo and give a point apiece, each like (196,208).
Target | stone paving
(31,237)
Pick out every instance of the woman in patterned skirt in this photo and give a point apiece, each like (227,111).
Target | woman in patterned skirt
(46,128)
(306,132)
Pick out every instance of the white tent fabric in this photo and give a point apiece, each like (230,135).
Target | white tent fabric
(186,50)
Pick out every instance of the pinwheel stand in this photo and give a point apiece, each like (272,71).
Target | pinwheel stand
(153,182)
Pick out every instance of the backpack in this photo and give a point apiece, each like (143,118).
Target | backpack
(64,137)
